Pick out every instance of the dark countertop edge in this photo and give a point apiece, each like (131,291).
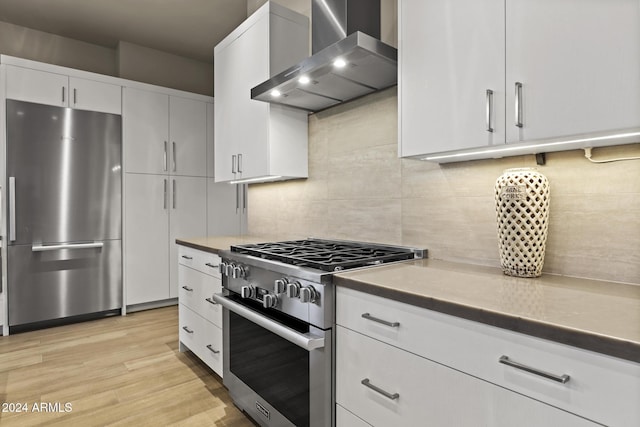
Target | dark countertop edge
(198,247)
(576,338)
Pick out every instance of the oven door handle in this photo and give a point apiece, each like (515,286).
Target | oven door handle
(307,341)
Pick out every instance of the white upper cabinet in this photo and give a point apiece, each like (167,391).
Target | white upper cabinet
(145,129)
(451,54)
(254,139)
(579,65)
(475,75)
(44,87)
(165,134)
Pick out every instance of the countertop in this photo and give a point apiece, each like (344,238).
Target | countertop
(591,314)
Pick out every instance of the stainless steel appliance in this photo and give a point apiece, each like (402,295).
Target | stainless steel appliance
(278,316)
(64,212)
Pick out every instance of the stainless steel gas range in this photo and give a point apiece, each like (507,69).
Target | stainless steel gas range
(279,306)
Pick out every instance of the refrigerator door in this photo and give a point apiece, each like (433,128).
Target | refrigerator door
(66,168)
(49,283)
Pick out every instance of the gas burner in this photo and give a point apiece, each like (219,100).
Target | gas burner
(327,255)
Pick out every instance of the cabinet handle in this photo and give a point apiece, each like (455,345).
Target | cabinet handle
(174,193)
(188,289)
(165,194)
(384,322)
(12,208)
(212,350)
(239,163)
(489,110)
(75,96)
(208,264)
(245,189)
(174,156)
(559,378)
(237,198)
(187,257)
(393,396)
(189,331)
(210,301)
(63,93)
(518,104)
(233,164)
(165,156)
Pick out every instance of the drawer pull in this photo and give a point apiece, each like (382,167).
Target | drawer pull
(187,257)
(210,301)
(212,265)
(559,378)
(212,350)
(189,331)
(188,289)
(365,382)
(384,322)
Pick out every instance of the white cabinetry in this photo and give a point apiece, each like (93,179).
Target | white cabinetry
(254,139)
(447,370)
(165,160)
(165,134)
(45,87)
(200,318)
(550,75)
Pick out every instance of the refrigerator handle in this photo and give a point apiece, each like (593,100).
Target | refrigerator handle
(12,208)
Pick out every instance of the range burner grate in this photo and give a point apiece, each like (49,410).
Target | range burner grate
(325,255)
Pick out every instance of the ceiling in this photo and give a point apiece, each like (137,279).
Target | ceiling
(189,28)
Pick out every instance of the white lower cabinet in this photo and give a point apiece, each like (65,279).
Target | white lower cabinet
(200,318)
(446,371)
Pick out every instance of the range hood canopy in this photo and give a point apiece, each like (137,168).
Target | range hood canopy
(344,68)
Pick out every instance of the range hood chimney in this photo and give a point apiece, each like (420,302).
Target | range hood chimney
(348,61)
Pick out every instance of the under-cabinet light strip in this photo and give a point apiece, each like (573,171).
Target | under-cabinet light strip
(540,146)
(258,179)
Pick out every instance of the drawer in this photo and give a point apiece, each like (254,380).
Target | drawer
(476,348)
(209,309)
(190,328)
(211,347)
(345,418)
(426,393)
(190,284)
(205,262)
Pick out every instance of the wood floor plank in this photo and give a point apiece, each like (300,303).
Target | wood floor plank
(117,371)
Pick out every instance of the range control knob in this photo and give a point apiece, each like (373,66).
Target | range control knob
(247,292)
(238,272)
(308,294)
(229,269)
(269,301)
(222,267)
(293,289)
(280,285)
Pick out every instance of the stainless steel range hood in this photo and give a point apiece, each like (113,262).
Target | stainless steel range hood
(342,67)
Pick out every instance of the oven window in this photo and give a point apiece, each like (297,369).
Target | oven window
(272,367)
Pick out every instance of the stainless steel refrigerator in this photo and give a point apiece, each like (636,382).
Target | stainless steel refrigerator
(64,212)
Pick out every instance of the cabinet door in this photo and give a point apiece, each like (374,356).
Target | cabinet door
(242,123)
(146,131)
(451,54)
(188,218)
(579,65)
(188,136)
(95,96)
(146,217)
(37,86)
(224,209)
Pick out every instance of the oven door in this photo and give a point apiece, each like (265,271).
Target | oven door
(277,369)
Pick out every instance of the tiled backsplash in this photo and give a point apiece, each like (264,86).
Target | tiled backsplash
(359,189)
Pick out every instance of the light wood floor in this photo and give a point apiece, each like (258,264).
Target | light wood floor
(118,371)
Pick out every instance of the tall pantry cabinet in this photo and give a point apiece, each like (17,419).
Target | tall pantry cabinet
(165,162)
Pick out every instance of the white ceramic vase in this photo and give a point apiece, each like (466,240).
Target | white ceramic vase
(522,212)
